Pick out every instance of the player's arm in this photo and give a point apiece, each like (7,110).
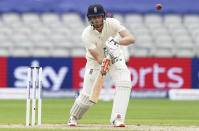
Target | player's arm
(91,47)
(95,53)
(127,38)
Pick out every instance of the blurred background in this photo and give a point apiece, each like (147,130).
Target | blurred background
(164,61)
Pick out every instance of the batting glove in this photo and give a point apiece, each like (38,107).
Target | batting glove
(112,44)
(114,58)
(113,49)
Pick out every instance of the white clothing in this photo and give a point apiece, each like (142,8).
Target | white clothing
(118,71)
(118,74)
(94,39)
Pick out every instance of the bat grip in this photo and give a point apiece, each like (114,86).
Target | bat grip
(106,65)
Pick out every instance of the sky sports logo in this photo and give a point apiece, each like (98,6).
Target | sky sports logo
(172,76)
(150,73)
(68,73)
(51,79)
(57,73)
(151,77)
(160,73)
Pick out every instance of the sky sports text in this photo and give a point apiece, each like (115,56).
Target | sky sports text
(152,76)
(51,79)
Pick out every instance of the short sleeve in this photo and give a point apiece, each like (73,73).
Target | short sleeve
(117,25)
(87,42)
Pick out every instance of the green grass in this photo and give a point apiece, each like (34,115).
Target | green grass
(22,129)
(140,112)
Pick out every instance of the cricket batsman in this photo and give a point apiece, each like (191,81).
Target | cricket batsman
(100,40)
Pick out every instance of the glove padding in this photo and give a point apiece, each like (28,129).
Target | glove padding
(112,44)
(114,58)
(112,49)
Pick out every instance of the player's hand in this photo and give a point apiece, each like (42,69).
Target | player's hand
(113,49)
(113,57)
(112,44)
(105,66)
(110,53)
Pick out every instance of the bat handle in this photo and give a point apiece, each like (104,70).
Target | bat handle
(106,65)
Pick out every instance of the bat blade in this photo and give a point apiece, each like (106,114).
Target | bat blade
(97,88)
(99,81)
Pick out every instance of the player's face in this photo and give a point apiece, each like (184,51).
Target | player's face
(97,21)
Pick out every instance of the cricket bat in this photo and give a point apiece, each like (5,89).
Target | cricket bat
(99,81)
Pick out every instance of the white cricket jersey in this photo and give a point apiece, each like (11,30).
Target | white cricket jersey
(94,39)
